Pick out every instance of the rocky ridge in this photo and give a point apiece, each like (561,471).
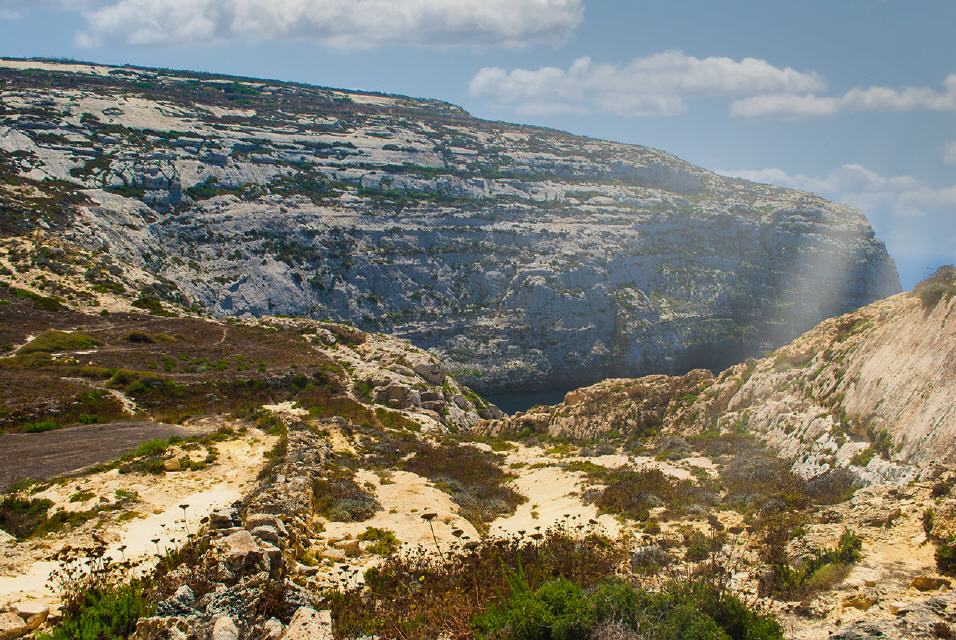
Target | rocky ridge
(870,391)
(523,257)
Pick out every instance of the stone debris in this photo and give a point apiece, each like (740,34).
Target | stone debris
(309,624)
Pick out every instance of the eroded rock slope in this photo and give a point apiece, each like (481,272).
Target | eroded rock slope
(871,390)
(522,256)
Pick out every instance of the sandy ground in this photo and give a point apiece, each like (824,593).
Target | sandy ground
(553,498)
(892,556)
(26,567)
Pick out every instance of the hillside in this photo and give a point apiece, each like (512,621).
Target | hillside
(870,391)
(523,257)
(292,478)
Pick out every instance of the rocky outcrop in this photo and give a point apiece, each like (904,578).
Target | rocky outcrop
(870,391)
(251,564)
(524,257)
(624,406)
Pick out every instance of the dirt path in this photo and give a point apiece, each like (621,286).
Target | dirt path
(54,453)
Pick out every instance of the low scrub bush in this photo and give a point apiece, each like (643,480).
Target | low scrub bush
(945,554)
(20,517)
(650,559)
(422,595)
(43,303)
(40,427)
(144,337)
(339,498)
(473,477)
(53,341)
(939,286)
(99,600)
(819,571)
(634,493)
(699,546)
(384,542)
(26,518)
(757,481)
(151,305)
(561,610)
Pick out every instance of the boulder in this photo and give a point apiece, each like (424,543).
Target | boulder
(265,520)
(267,533)
(859,601)
(160,628)
(224,629)
(397,395)
(428,370)
(180,603)
(333,554)
(928,583)
(32,608)
(220,520)
(241,551)
(309,624)
(12,626)
(271,629)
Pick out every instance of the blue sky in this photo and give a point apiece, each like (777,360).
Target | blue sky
(853,99)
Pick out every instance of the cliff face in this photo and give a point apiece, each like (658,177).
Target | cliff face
(523,257)
(870,391)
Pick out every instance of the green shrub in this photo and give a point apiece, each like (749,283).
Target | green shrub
(108,614)
(384,541)
(144,337)
(938,286)
(27,518)
(820,571)
(557,610)
(863,457)
(339,498)
(42,303)
(946,556)
(152,305)
(682,610)
(98,599)
(929,521)
(40,427)
(700,546)
(21,517)
(634,493)
(52,340)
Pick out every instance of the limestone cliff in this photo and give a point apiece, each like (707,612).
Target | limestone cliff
(871,390)
(523,257)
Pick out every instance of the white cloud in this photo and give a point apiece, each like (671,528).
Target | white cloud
(656,85)
(348,24)
(875,98)
(916,220)
(11,9)
(949,152)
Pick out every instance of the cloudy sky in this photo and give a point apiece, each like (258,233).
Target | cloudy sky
(852,99)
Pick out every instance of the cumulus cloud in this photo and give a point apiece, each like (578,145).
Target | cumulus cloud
(916,220)
(875,98)
(350,24)
(655,85)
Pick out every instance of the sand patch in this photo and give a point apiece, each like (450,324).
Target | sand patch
(153,513)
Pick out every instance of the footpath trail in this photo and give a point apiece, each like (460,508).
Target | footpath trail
(54,453)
